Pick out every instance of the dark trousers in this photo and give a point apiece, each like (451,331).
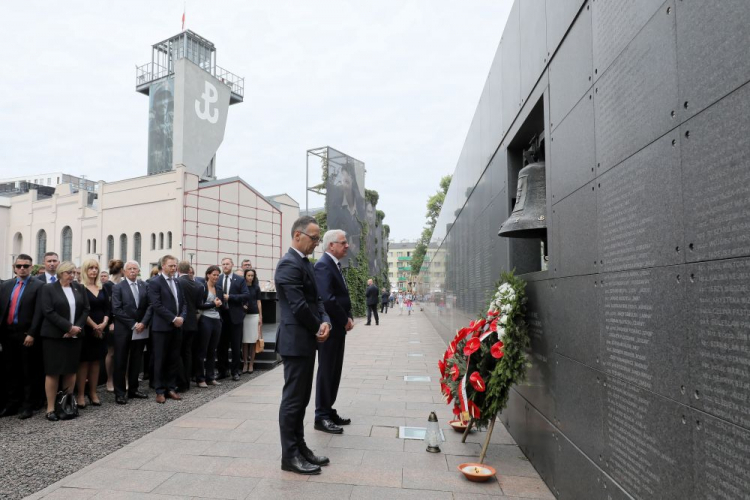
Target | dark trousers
(128,357)
(185,368)
(24,373)
(384,307)
(372,309)
(330,362)
(166,359)
(231,336)
(298,377)
(204,359)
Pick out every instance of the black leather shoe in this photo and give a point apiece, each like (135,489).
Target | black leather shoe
(137,395)
(236,377)
(52,416)
(25,414)
(121,400)
(300,466)
(327,425)
(340,421)
(314,459)
(222,375)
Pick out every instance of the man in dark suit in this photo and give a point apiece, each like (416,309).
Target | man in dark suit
(372,295)
(24,374)
(232,319)
(385,297)
(132,313)
(335,295)
(51,261)
(193,292)
(303,324)
(169,312)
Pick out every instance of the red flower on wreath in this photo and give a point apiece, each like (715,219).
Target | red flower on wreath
(476,326)
(447,393)
(456,410)
(474,410)
(472,346)
(493,325)
(497,350)
(454,372)
(492,314)
(441,367)
(477,382)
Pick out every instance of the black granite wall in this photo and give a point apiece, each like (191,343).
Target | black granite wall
(640,378)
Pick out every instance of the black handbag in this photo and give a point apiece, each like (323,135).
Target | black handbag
(66,406)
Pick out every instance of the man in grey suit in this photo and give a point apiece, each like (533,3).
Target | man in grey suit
(303,324)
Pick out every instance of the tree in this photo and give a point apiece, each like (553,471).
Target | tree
(434,206)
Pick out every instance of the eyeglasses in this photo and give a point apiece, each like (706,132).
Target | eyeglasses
(24,266)
(314,238)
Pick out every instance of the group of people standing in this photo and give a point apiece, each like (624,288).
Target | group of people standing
(56,328)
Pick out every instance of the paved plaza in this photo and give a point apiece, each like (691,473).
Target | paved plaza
(229,448)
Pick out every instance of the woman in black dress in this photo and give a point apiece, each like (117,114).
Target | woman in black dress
(115,276)
(94,344)
(65,309)
(209,330)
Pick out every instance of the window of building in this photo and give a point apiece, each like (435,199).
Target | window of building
(94,245)
(41,245)
(67,243)
(88,246)
(153,241)
(124,247)
(137,247)
(169,239)
(161,241)
(110,247)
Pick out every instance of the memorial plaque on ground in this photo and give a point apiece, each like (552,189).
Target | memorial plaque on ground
(719,329)
(643,328)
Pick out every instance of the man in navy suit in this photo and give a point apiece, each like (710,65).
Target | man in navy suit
(335,295)
(304,323)
(24,374)
(232,319)
(169,312)
(51,261)
(132,313)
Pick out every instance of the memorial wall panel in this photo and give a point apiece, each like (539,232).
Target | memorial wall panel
(573,249)
(721,458)
(533,37)
(639,209)
(539,384)
(716,179)
(578,399)
(615,24)
(496,100)
(541,446)
(643,328)
(575,307)
(715,63)
(648,441)
(719,329)
(560,15)
(510,45)
(572,69)
(635,99)
(572,151)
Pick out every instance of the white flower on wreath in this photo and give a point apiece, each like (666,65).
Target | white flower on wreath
(504,319)
(505,308)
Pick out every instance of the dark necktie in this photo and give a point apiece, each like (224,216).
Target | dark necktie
(342,274)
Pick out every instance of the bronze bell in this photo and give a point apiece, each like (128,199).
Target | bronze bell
(529,216)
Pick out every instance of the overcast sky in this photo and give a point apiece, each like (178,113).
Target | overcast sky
(393,83)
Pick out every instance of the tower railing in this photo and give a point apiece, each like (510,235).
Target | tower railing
(150,72)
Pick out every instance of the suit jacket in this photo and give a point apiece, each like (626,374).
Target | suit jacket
(385,297)
(372,295)
(163,304)
(333,292)
(29,311)
(56,310)
(123,305)
(302,310)
(193,292)
(232,309)
(42,278)
(208,304)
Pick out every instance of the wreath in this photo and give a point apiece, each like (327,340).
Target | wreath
(485,359)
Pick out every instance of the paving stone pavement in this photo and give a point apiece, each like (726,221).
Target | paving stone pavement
(229,448)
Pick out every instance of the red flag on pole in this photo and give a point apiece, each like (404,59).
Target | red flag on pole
(183,21)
